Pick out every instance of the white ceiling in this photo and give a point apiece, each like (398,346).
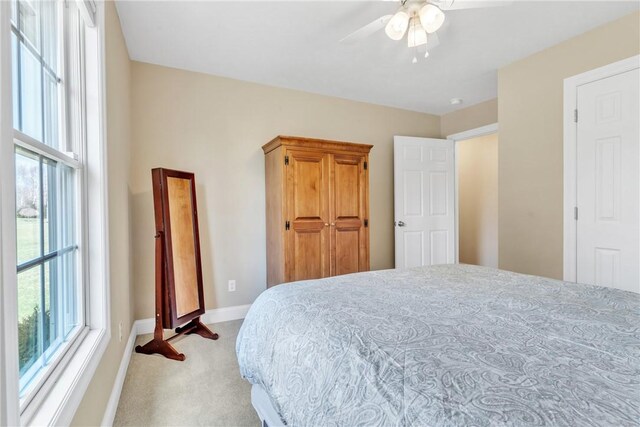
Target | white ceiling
(295,44)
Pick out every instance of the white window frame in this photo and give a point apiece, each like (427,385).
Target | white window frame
(61,393)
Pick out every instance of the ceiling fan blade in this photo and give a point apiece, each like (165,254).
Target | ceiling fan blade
(367,30)
(469,4)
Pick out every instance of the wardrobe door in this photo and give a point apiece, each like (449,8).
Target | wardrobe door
(307,206)
(349,214)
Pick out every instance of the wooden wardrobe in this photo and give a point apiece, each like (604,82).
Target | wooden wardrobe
(317,194)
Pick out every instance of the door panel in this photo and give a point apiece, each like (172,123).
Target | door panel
(439,246)
(608,182)
(438,188)
(347,259)
(308,214)
(308,260)
(307,190)
(424,201)
(347,179)
(412,184)
(349,211)
(413,249)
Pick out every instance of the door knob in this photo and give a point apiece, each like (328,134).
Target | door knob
(401,224)
(326,224)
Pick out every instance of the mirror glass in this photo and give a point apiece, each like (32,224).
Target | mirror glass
(183,245)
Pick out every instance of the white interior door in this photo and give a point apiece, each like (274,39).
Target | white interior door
(424,201)
(608,182)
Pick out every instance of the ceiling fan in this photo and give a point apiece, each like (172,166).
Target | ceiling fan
(419,20)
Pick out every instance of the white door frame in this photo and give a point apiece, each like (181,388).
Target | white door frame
(463,136)
(571,85)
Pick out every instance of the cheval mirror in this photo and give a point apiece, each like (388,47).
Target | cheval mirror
(179,290)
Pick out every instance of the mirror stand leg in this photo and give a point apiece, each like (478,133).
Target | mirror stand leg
(162,347)
(158,345)
(197,327)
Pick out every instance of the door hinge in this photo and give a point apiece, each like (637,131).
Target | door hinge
(575,213)
(575,115)
(287,225)
(365,165)
(286,160)
(366,222)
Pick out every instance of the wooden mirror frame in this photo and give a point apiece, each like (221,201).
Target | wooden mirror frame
(163,208)
(179,285)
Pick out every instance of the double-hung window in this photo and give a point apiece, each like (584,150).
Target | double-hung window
(49,184)
(58,183)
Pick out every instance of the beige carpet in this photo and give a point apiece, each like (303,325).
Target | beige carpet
(204,390)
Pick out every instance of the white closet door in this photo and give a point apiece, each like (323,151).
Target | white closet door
(424,184)
(608,182)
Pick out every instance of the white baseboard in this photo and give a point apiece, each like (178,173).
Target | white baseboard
(225,314)
(146,326)
(112,405)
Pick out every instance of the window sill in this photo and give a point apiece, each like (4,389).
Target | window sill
(63,398)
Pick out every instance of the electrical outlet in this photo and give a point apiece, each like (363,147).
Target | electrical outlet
(232,285)
(120,331)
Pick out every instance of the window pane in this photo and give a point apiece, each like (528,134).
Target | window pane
(67,207)
(36,83)
(29,319)
(29,24)
(15,85)
(30,94)
(14,13)
(66,238)
(51,319)
(49,24)
(51,111)
(68,295)
(48,294)
(49,209)
(28,210)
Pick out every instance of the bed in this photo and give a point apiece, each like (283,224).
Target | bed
(443,345)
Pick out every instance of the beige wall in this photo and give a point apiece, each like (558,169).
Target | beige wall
(530,95)
(93,405)
(474,116)
(478,200)
(215,127)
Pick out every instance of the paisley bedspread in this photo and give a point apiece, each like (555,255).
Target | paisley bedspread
(445,345)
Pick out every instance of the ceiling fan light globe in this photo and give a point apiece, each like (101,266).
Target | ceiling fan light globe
(431,18)
(417,35)
(397,25)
